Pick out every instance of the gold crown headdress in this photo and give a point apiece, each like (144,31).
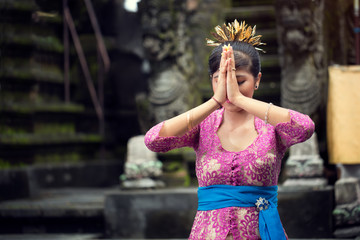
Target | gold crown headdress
(235,32)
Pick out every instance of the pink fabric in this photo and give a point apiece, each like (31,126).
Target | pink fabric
(257,165)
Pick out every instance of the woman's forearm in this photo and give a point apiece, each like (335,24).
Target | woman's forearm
(179,125)
(262,110)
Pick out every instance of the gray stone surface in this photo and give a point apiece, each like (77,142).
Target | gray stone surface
(141,166)
(304,168)
(14,183)
(348,232)
(349,170)
(307,213)
(91,174)
(49,237)
(347,211)
(28,182)
(347,191)
(150,214)
(55,211)
(170,213)
(56,203)
(93,237)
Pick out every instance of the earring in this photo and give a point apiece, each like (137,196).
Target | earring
(256,86)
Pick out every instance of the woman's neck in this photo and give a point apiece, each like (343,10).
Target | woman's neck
(236,118)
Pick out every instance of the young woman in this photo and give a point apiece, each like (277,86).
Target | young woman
(239,144)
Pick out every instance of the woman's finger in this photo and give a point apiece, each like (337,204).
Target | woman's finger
(223,67)
(231,83)
(232,64)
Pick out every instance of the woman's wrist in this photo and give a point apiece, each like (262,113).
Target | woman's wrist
(239,101)
(217,101)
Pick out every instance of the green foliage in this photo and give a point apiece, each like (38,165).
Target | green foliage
(54,128)
(30,70)
(173,166)
(6,165)
(6,130)
(68,157)
(33,36)
(19,5)
(47,139)
(44,107)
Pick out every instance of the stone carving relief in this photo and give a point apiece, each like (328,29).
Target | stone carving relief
(301,48)
(169,58)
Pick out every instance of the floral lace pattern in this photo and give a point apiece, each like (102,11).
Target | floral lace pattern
(257,165)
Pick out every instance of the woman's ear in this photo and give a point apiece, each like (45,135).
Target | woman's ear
(257,80)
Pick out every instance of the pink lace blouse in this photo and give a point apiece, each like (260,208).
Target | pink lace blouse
(257,165)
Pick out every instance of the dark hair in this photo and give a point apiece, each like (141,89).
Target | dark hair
(245,56)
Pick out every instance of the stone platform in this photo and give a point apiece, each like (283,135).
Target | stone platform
(68,210)
(170,212)
(167,214)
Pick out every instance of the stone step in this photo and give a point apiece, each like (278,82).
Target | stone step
(251,12)
(18,5)
(50,119)
(96,237)
(47,107)
(57,181)
(55,211)
(24,149)
(29,139)
(22,69)
(28,39)
(49,237)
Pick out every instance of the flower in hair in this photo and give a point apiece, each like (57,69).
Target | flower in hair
(235,32)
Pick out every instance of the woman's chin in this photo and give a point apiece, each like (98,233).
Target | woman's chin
(231,107)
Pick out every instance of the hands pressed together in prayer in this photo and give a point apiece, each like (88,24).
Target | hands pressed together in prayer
(226,85)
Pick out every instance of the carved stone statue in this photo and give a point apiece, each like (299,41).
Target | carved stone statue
(142,169)
(303,74)
(167,50)
(301,50)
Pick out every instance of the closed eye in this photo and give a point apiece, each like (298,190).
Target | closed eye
(241,82)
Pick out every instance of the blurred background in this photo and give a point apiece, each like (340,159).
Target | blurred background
(80,78)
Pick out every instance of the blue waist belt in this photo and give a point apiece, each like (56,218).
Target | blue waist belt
(264,198)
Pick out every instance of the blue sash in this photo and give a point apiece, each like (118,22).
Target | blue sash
(265,198)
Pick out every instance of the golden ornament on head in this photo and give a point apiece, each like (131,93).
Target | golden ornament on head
(235,32)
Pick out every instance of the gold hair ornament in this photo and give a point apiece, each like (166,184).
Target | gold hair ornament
(235,32)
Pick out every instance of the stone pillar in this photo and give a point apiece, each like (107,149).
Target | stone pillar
(303,76)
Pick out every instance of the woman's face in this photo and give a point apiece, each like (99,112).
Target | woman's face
(246,84)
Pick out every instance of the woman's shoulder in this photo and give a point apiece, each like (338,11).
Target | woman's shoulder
(213,120)
(262,127)
(215,117)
